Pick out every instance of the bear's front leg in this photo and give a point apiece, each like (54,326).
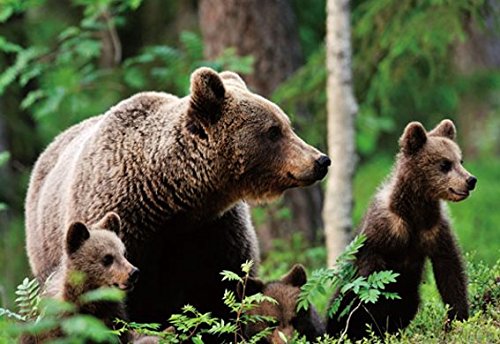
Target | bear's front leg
(450,274)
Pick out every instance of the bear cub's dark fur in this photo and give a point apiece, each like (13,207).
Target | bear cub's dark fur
(405,224)
(286,292)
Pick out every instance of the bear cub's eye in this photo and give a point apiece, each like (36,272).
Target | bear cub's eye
(107,260)
(445,166)
(274,133)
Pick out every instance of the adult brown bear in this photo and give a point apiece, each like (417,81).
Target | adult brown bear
(177,171)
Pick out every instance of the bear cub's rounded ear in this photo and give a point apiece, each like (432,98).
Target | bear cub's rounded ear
(207,95)
(296,277)
(111,221)
(254,285)
(413,138)
(445,128)
(233,79)
(77,234)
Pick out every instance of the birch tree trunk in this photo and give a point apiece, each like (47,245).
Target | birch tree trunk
(341,107)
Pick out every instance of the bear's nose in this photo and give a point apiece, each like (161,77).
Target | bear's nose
(471,182)
(323,161)
(133,276)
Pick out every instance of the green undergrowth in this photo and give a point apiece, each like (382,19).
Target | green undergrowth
(35,314)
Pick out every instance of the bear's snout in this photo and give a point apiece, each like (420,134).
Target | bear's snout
(471,182)
(321,166)
(133,276)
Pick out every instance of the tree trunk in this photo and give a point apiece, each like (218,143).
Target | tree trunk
(267,30)
(480,53)
(341,108)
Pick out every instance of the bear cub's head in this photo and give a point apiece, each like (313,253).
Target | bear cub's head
(286,292)
(435,159)
(261,152)
(99,254)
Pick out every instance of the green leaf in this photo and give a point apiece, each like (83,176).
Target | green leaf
(197,339)
(283,337)
(38,327)
(370,295)
(246,267)
(134,78)
(134,4)
(8,47)
(55,307)
(10,314)
(88,327)
(230,276)
(5,13)
(4,157)
(69,32)
(103,294)
(31,98)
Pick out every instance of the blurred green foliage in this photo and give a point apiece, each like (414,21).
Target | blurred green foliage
(403,67)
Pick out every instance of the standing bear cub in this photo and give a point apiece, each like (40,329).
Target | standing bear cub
(93,258)
(178,172)
(405,224)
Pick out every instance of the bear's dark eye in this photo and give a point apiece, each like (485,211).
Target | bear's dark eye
(107,260)
(445,166)
(274,133)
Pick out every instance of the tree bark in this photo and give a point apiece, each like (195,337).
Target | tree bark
(480,53)
(267,30)
(341,109)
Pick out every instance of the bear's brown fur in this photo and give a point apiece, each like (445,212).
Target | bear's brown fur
(406,223)
(177,171)
(286,292)
(98,257)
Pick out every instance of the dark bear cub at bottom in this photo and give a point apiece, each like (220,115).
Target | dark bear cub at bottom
(286,292)
(405,224)
(98,255)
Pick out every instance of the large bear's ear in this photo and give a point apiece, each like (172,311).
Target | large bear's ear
(254,285)
(296,277)
(233,79)
(77,234)
(445,129)
(207,95)
(413,138)
(110,221)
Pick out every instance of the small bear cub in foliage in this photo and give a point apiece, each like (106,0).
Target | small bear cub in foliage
(408,222)
(286,292)
(97,256)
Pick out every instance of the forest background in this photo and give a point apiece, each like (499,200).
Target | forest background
(63,61)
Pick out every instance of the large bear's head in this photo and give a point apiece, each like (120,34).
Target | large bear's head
(435,160)
(99,255)
(254,136)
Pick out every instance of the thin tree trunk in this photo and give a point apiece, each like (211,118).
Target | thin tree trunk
(342,107)
(267,30)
